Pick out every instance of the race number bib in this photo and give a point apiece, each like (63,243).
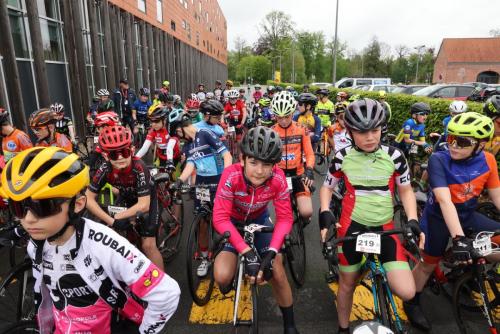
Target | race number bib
(368,243)
(230,129)
(113,210)
(203,194)
(289,183)
(483,245)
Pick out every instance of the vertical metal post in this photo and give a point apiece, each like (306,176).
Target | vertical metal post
(293,61)
(108,53)
(129,49)
(145,60)
(151,59)
(94,40)
(335,42)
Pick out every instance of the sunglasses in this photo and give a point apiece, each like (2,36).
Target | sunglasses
(460,142)
(422,113)
(41,208)
(115,154)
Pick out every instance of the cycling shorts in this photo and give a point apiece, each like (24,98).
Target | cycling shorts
(150,227)
(437,234)
(391,255)
(261,241)
(206,180)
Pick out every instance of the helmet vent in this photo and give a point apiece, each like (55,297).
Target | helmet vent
(28,160)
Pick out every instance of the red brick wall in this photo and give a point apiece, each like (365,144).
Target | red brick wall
(212,43)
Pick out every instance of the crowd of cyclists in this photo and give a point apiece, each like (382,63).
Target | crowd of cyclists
(258,149)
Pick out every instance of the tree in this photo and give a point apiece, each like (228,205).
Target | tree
(257,67)
(274,28)
(372,64)
(401,50)
(495,32)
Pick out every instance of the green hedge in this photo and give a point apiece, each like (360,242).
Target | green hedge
(400,106)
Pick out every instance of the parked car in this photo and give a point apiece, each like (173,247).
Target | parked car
(321,84)
(408,89)
(453,92)
(370,88)
(353,82)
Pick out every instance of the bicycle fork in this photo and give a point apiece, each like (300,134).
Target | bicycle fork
(238,291)
(486,307)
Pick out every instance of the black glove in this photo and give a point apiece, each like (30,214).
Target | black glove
(462,248)
(252,264)
(309,173)
(122,224)
(12,236)
(414,227)
(326,219)
(267,264)
(170,166)
(177,184)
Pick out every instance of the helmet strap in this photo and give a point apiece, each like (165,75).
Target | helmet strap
(73,218)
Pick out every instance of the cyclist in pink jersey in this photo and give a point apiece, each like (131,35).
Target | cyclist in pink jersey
(244,191)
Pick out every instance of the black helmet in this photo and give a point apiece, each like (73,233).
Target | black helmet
(308,98)
(364,115)
(271,89)
(211,108)
(218,82)
(322,91)
(279,88)
(420,108)
(306,86)
(144,91)
(159,112)
(263,144)
(492,106)
(4,116)
(167,98)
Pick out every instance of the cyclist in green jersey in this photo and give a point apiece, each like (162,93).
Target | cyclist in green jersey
(325,109)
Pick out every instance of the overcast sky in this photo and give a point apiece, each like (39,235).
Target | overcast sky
(413,23)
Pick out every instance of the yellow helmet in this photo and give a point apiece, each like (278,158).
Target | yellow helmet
(382,94)
(471,124)
(42,173)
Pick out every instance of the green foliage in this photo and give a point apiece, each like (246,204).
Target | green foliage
(257,67)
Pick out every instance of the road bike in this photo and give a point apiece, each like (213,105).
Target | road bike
(322,153)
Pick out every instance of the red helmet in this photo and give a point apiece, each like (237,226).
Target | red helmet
(106,118)
(192,104)
(115,137)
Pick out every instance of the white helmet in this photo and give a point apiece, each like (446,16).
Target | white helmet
(233,94)
(103,92)
(458,107)
(283,104)
(371,327)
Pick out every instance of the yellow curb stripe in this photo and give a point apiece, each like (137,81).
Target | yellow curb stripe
(219,310)
(362,307)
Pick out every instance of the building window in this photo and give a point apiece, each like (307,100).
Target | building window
(51,40)
(159,10)
(197,38)
(141,4)
(172,25)
(14,3)
(48,8)
(188,28)
(184,26)
(87,47)
(18,34)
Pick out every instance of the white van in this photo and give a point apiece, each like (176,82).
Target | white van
(353,82)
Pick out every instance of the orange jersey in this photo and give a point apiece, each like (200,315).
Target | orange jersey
(60,141)
(296,145)
(14,143)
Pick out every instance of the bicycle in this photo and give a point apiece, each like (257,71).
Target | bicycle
(169,233)
(201,288)
(369,244)
(322,153)
(476,290)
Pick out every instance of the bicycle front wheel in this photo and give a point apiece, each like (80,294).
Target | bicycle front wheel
(199,287)
(170,232)
(296,253)
(255,313)
(473,295)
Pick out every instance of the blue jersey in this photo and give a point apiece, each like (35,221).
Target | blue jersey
(142,109)
(205,153)
(216,129)
(446,120)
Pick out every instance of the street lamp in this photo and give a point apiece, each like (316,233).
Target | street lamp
(334,75)
(418,48)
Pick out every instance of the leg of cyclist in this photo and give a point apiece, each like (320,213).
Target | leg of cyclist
(347,284)
(148,230)
(224,269)
(304,204)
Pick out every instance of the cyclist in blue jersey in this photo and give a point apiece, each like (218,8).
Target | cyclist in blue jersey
(455,108)
(413,131)
(212,112)
(140,109)
(204,152)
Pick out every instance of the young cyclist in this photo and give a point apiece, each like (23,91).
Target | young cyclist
(342,97)
(338,136)
(492,109)
(131,177)
(243,195)
(201,92)
(165,87)
(42,123)
(13,140)
(105,103)
(64,125)
(140,109)
(83,271)
(455,108)
(257,94)
(227,89)
(93,109)
(168,152)
(235,113)
(306,118)
(368,203)
(102,120)
(324,108)
(413,131)
(217,90)
(212,112)
(177,104)
(204,153)
(457,178)
(296,148)
(193,109)
(242,96)
(265,115)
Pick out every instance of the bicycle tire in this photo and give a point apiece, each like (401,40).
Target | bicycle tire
(17,303)
(296,253)
(22,327)
(384,313)
(192,263)
(255,312)
(464,288)
(169,234)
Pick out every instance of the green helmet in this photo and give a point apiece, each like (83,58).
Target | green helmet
(354,97)
(264,102)
(471,124)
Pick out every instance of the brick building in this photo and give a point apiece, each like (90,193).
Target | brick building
(64,50)
(468,59)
